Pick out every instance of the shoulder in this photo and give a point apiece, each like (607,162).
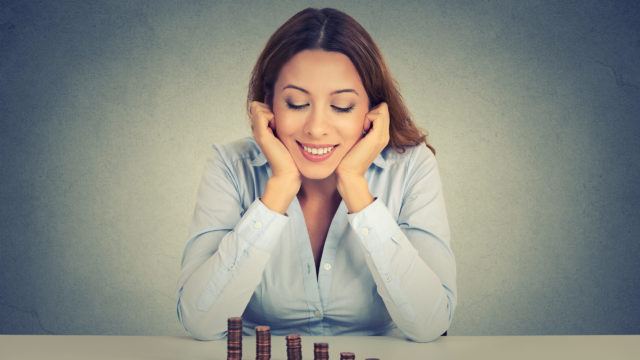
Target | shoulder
(241,150)
(404,175)
(237,162)
(413,156)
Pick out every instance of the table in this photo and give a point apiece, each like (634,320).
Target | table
(54,347)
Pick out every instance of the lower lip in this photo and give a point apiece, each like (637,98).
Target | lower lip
(316,158)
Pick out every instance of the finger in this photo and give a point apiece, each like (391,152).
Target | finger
(378,108)
(369,120)
(264,126)
(253,107)
(367,125)
(256,106)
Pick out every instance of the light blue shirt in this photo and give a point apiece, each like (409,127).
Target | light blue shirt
(385,270)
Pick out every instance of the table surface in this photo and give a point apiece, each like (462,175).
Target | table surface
(585,347)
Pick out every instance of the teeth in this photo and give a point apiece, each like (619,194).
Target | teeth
(316,151)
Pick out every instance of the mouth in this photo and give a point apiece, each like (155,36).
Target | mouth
(316,154)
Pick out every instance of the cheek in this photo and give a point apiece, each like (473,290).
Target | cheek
(285,123)
(352,128)
(287,130)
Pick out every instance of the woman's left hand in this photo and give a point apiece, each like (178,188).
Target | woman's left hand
(367,148)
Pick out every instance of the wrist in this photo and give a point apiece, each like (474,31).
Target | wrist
(279,193)
(344,182)
(354,190)
(286,185)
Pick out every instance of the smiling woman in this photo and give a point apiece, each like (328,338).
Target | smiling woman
(332,30)
(336,178)
(317,123)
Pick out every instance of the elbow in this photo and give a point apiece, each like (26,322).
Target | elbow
(426,334)
(198,333)
(432,328)
(196,324)
(425,337)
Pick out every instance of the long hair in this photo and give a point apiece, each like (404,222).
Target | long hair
(332,30)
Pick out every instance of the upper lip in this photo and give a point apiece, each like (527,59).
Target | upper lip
(318,146)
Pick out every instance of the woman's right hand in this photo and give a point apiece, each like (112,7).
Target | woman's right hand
(263,127)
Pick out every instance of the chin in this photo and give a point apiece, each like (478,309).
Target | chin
(316,174)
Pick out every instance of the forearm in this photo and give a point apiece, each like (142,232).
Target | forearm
(215,287)
(417,299)
(413,296)
(218,290)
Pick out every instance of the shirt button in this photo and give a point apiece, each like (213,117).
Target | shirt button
(364,231)
(317,313)
(327,266)
(387,277)
(257,224)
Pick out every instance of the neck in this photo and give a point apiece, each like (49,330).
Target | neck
(325,189)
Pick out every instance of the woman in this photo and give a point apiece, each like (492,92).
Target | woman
(336,178)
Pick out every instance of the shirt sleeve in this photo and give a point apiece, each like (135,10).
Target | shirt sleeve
(410,258)
(225,254)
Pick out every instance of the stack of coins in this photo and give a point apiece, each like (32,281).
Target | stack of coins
(294,347)
(347,356)
(234,338)
(320,351)
(263,342)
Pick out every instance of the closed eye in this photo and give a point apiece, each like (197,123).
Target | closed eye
(296,107)
(336,108)
(345,110)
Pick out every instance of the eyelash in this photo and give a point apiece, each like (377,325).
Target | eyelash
(338,109)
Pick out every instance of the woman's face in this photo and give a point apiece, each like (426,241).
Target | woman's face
(319,101)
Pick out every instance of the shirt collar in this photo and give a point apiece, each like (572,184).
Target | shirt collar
(260,159)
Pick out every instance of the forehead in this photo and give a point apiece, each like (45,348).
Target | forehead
(320,72)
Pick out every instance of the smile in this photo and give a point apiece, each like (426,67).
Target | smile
(316,154)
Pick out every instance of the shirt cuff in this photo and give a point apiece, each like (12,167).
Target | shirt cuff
(260,226)
(375,226)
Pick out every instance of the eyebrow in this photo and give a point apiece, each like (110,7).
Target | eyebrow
(332,93)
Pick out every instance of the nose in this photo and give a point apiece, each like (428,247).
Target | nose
(316,124)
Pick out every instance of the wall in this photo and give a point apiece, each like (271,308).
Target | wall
(107,111)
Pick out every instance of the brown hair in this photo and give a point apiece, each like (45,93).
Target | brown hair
(332,30)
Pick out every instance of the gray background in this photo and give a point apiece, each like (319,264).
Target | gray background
(108,109)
